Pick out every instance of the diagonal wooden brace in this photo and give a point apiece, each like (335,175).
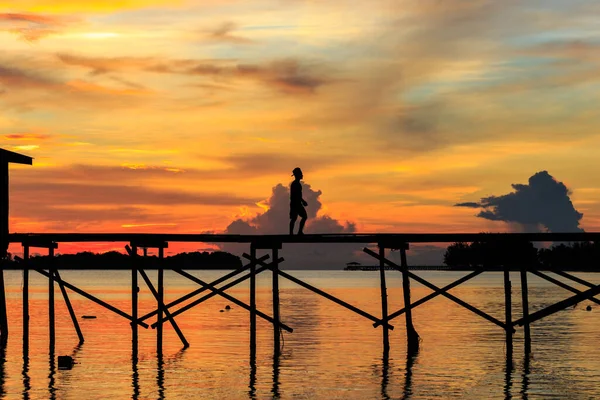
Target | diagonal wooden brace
(321,293)
(561,284)
(221,292)
(437,289)
(561,305)
(92,298)
(432,295)
(202,289)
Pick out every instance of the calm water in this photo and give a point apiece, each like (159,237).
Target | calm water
(332,354)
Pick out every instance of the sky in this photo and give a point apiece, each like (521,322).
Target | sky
(186,116)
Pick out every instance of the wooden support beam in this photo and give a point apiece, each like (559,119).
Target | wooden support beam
(253,298)
(508,315)
(161,304)
(435,288)
(275,289)
(573,278)
(26,302)
(3,314)
(134,302)
(330,297)
(525,305)
(412,337)
(561,284)
(166,311)
(202,289)
(51,314)
(92,298)
(559,306)
(221,292)
(69,308)
(384,304)
(432,295)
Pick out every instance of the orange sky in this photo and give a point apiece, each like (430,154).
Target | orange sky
(180,116)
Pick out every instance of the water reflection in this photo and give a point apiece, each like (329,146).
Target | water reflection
(26,378)
(160,376)
(385,367)
(2,372)
(275,389)
(526,372)
(135,377)
(51,378)
(411,357)
(508,371)
(252,383)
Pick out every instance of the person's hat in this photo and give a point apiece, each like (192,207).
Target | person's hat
(296,171)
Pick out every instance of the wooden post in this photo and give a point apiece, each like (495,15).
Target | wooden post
(412,337)
(160,301)
(134,306)
(508,316)
(253,300)
(70,308)
(25,301)
(275,274)
(525,301)
(51,316)
(384,305)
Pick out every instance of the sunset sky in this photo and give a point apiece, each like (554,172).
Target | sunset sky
(182,116)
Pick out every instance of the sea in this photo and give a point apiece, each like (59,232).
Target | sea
(333,353)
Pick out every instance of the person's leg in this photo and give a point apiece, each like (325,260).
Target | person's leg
(303,218)
(292,223)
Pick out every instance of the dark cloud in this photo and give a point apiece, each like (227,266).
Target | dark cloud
(276,221)
(224,33)
(65,194)
(31,27)
(16,77)
(286,75)
(544,203)
(468,204)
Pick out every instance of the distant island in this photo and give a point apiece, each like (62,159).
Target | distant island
(116,260)
(512,252)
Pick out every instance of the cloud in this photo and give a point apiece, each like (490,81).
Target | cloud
(275,220)
(32,27)
(65,194)
(287,75)
(544,203)
(26,136)
(223,34)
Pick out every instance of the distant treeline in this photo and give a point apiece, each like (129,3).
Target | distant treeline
(512,252)
(116,260)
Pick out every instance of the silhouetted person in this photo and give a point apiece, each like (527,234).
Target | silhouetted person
(297,203)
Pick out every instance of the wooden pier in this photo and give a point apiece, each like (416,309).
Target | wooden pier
(265,254)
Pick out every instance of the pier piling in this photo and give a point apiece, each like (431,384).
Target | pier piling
(525,301)
(253,300)
(412,337)
(134,305)
(160,301)
(275,288)
(25,301)
(508,316)
(384,304)
(51,315)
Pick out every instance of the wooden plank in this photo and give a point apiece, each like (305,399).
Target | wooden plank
(363,238)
